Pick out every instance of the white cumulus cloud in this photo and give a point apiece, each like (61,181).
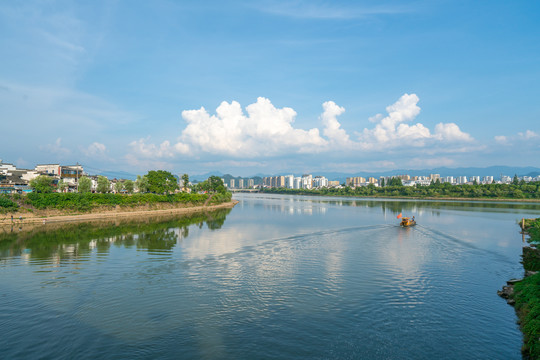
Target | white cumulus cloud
(332,127)
(392,131)
(95,149)
(165,150)
(529,134)
(263,130)
(450,132)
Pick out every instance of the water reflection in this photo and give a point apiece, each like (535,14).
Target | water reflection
(56,242)
(286,277)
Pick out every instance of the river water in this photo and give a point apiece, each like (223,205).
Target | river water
(277,277)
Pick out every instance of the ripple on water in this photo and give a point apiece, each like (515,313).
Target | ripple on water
(376,291)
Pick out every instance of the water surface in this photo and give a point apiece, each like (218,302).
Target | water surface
(277,277)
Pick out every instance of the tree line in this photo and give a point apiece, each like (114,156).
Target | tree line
(155,181)
(515,190)
(155,187)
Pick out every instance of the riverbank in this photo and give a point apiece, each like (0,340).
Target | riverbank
(524,294)
(105,212)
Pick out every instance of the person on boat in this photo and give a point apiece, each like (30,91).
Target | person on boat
(413,218)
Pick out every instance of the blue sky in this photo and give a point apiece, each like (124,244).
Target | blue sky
(248,87)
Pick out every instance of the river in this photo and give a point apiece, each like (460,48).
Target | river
(277,277)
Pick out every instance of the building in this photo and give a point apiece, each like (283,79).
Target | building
(487,180)
(6,168)
(307,181)
(71,173)
(289,181)
(355,181)
(320,181)
(231,184)
(48,169)
(251,183)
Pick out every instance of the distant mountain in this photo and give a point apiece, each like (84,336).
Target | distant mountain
(202,177)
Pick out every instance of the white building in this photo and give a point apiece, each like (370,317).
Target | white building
(424,182)
(448,179)
(487,180)
(320,181)
(6,169)
(297,183)
(307,181)
(48,169)
(289,181)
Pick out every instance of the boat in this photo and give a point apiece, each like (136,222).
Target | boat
(406,222)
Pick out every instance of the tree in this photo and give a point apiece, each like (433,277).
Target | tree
(185,181)
(61,186)
(85,185)
(395,182)
(119,186)
(161,181)
(103,185)
(515,181)
(517,194)
(142,183)
(215,184)
(42,184)
(129,185)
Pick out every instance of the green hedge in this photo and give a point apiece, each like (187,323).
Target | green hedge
(87,201)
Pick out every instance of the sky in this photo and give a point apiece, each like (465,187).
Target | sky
(269,87)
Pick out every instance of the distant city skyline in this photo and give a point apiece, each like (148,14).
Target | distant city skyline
(270,87)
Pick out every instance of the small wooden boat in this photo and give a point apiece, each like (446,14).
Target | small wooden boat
(406,222)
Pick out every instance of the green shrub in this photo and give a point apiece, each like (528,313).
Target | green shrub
(6,204)
(527,297)
(88,201)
